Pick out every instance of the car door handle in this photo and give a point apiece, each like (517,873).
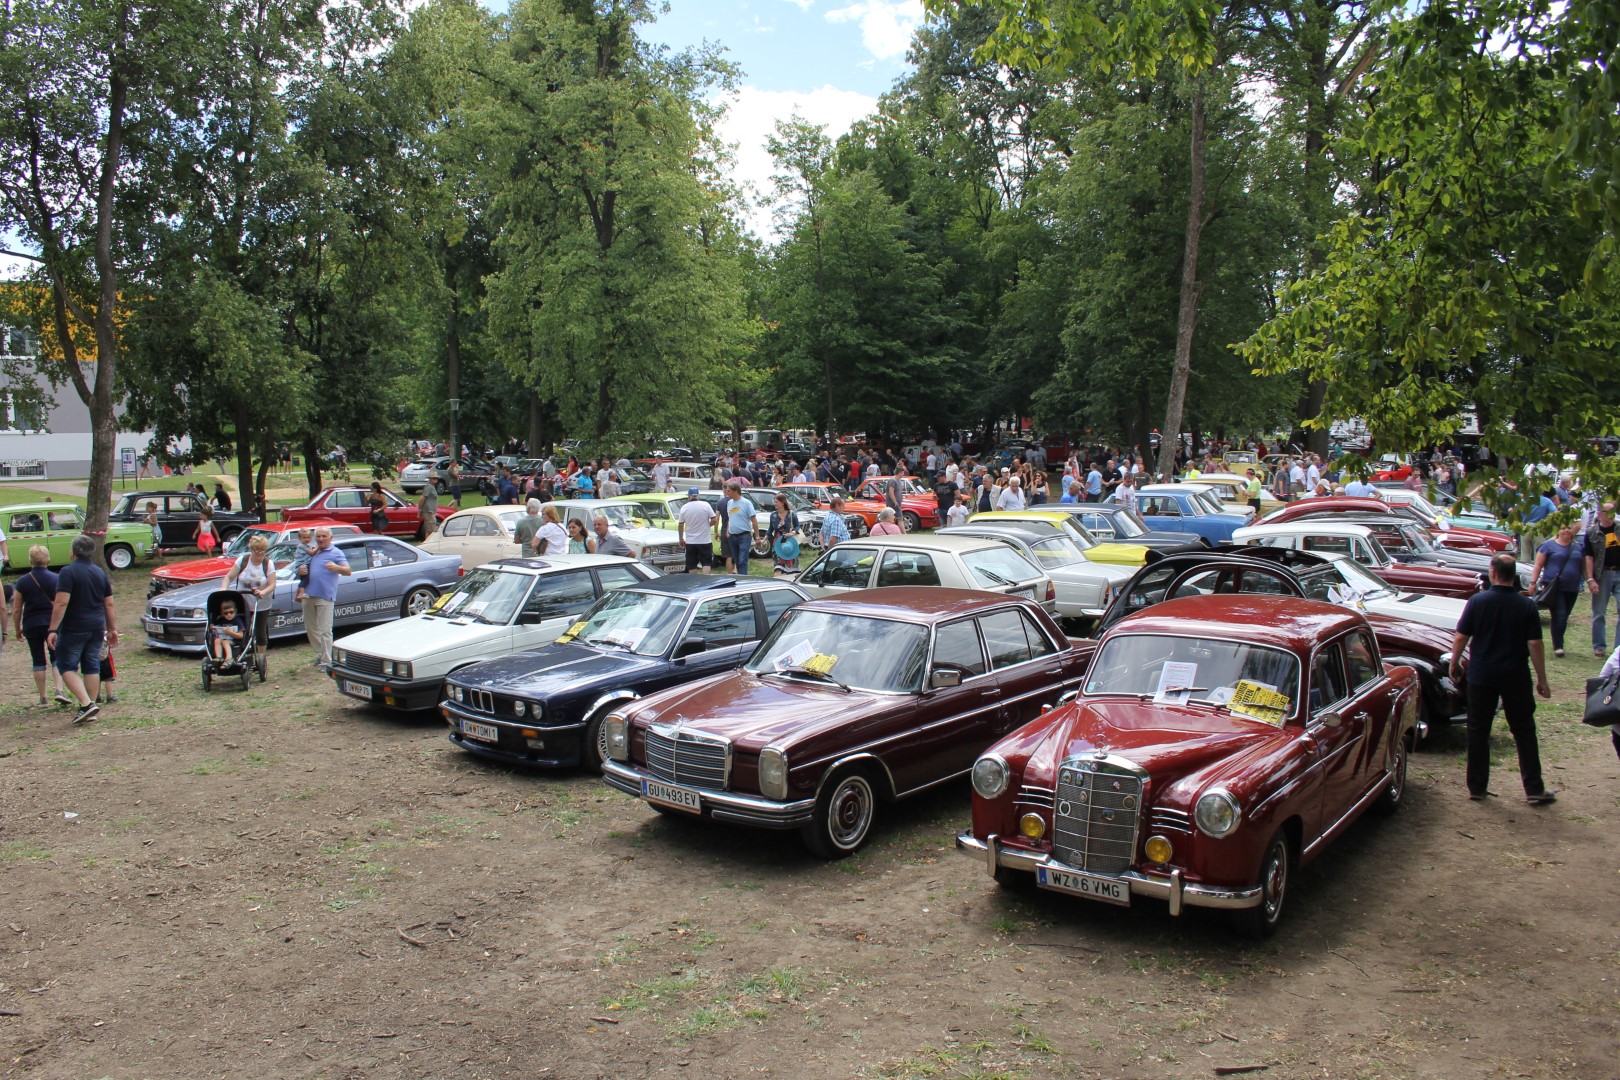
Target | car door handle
(1362,717)
(994,691)
(363,577)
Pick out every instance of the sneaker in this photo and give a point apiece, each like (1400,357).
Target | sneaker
(63,699)
(1543,798)
(87,713)
(1479,796)
(111,698)
(1558,653)
(1599,653)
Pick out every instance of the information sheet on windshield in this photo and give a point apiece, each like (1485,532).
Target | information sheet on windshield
(1175,683)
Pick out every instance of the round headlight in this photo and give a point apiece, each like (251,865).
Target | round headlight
(990,775)
(618,738)
(519,709)
(1217,814)
(1032,826)
(1158,849)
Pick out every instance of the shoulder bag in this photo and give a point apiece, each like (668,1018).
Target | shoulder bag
(1545,587)
(1602,706)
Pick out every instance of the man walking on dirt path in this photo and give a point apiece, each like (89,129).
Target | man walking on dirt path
(1505,628)
(81,618)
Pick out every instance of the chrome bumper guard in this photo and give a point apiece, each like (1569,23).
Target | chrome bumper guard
(721,805)
(1171,888)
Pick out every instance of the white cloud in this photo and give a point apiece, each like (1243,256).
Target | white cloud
(803,5)
(886,27)
(751,119)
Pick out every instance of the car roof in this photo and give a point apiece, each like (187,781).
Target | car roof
(31,507)
(933,541)
(143,493)
(1238,555)
(552,563)
(1326,528)
(689,584)
(996,529)
(915,603)
(489,510)
(1287,621)
(1026,515)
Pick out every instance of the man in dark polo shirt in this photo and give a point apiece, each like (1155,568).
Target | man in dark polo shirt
(1505,628)
(81,618)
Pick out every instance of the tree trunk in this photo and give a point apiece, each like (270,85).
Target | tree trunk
(103,410)
(312,467)
(537,425)
(452,362)
(1187,319)
(261,501)
(244,461)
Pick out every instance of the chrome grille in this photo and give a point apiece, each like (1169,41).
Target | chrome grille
(1098,804)
(160,613)
(363,664)
(1175,820)
(1034,795)
(684,757)
(479,700)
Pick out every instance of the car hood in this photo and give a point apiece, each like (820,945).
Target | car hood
(1408,636)
(1418,578)
(418,636)
(195,570)
(650,536)
(557,668)
(1441,611)
(758,712)
(1089,573)
(1169,741)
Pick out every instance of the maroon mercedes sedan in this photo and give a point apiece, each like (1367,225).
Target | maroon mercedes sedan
(851,702)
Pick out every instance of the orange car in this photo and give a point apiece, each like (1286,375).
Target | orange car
(917,503)
(821,495)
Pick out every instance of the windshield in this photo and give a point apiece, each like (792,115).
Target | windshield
(620,515)
(1057,550)
(1344,582)
(490,596)
(509,522)
(999,566)
(239,543)
(765,499)
(1258,681)
(854,651)
(642,623)
(1126,524)
(282,554)
(1209,503)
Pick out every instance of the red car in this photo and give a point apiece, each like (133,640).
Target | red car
(850,703)
(194,571)
(1392,467)
(1451,536)
(821,495)
(348,505)
(917,504)
(1218,742)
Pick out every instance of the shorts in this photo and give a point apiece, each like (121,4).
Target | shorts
(36,647)
(79,650)
(699,555)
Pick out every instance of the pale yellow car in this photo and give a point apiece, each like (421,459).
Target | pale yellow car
(1061,517)
(1237,488)
(1239,460)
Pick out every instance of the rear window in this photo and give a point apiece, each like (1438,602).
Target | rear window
(999,566)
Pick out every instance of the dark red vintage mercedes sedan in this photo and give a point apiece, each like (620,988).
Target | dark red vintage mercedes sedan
(1218,742)
(851,702)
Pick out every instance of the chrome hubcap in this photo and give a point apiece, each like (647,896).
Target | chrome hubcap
(851,812)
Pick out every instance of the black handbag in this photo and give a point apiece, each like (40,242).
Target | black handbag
(1545,587)
(1602,701)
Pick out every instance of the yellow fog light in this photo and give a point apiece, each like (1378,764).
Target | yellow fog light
(1032,826)
(1158,849)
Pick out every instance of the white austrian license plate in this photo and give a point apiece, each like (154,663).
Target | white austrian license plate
(153,627)
(482,732)
(357,689)
(670,795)
(1109,890)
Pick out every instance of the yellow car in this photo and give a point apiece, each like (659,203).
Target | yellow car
(1237,461)
(1237,489)
(1061,517)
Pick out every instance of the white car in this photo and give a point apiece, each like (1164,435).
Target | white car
(1084,588)
(655,547)
(1224,496)
(479,534)
(956,562)
(499,608)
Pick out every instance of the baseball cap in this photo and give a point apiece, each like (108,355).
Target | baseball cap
(691,492)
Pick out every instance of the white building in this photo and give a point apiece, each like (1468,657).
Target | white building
(52,442)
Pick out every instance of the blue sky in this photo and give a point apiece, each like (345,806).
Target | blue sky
(827,60)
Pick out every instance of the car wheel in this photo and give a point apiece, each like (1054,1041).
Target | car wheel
(120,556)
(227,535)
(593,743)
(760,548)
(1014,880)
(417,600)
(842,820)
(910,521)
(441,487)
(1394,793)
(1276,868)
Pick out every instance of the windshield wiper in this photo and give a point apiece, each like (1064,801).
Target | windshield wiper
(999,580)
(608,642)
(796,669)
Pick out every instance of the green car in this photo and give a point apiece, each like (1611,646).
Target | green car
(55,525)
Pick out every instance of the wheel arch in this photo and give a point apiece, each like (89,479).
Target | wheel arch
(866,762)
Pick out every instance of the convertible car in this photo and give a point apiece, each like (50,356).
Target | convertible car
(1218,743)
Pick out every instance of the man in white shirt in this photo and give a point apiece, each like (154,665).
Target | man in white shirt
(1012,497)
(1313,473)
(661,477)
(695,524)
(1296,478)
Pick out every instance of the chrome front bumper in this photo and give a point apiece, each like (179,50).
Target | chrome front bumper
(720,805)
(1171,887)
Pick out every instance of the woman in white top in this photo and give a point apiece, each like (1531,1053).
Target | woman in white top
(1610,666)
(255,575)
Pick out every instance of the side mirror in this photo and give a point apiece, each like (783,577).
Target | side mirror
(531,618)
(942,678)
(690,647)
(1330,719)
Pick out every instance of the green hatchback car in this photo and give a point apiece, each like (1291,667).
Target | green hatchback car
(55,525)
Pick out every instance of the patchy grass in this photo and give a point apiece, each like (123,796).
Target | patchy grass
(18,850)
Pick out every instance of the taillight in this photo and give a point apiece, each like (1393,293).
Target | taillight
(1051,590)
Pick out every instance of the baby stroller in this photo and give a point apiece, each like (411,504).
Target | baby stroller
(242,663)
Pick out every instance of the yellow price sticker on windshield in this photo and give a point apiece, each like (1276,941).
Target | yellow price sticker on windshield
(571,633)
(439,601)
(820,664)
(1259,702)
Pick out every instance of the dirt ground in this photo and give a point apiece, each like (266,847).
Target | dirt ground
(283,883)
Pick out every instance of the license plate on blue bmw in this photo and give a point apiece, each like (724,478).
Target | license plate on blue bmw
(481,732)
(1107,889)
(670,795)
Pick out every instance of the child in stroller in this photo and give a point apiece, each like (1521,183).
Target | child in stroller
(226,630)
